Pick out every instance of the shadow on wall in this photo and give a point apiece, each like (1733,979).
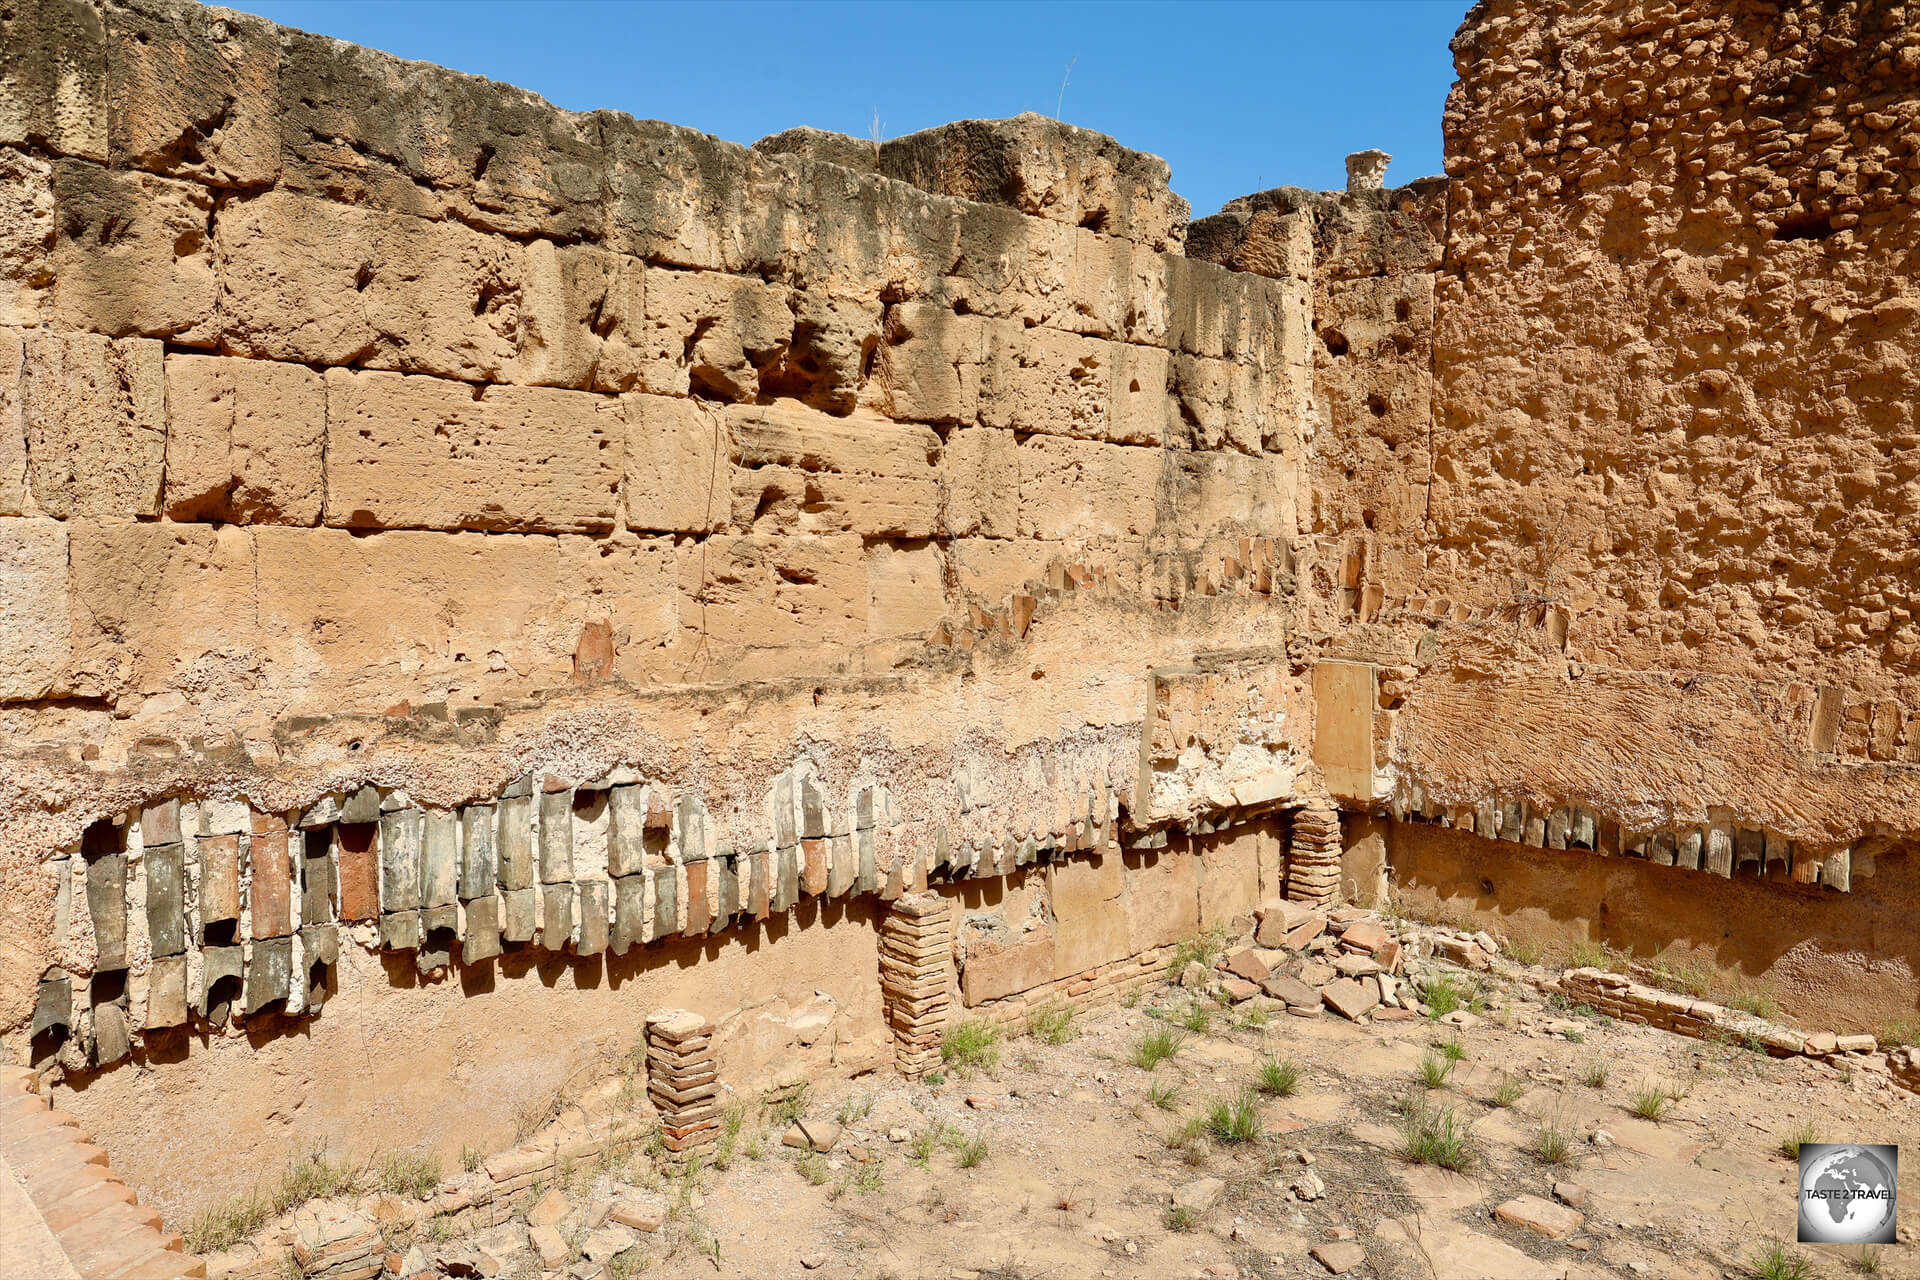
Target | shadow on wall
(1847,961)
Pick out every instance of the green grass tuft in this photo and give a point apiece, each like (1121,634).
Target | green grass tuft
(1433,1071)
(1793,1139)
(971,1045)
(1774,1261)
(1651,1101)
(1507,1092)
(1435,1135)
(1278,1079)
(1155,1048)
(1163,1095)
(1052,1023)
(1234,1120)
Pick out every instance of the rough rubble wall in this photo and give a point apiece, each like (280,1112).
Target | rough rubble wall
(437,527)
(1638,578)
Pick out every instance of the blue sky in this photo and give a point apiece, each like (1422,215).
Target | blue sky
(1237,97)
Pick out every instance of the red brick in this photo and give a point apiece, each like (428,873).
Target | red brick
(358,863)
(270,893)
(161,1264)
(97,1208)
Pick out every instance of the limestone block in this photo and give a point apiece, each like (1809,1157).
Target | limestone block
(26,236)
(1267,239)
(1229,876)
(821,145)
(981,470)
(427,453)
(1162,900)
(36,630)
(131,253)
(932,363)
(1091,926)
(1219,491)
(906,591)
(996,969)
(624,579)
(53,78)
(1086,489)
(584,318)
(323,283)
(366,127)
(1045,169)
(164,602)
(94,416)
(678,467)
(244,440)
(191,92)
(801,470)
(712,334)
(745,596)
(685,199)
(14,498)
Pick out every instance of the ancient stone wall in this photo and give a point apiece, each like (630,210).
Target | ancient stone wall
(456,550)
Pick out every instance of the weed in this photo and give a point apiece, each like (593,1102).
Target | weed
(1234,1120)
(1574,1036)
(1163,1095)
(935,1079)
(470,1158)
(1685,978)
(812,1166)
(1434,1135)
(1278,1079)
(854,1109)
(1594,1073)
(793,1104)
(1899,1031)
(926,1142)
(971,1151)
(1870,1261)
(441,1229)
(870,1179)
(1443,996)
(1197,1018)
(1593,955)
(1155,1048)
(1527,952)
(627,1264)
(1202,947)
(313,1176)
(1651,1101)
(733,1119)
(1254,1015)
(1052,1023)
(1453,1051)
(1433,1070)
(226,1224)
(1507,1092)
(1793,1139)
(1754,1003)
(971,1045)
(1554,1143)
(1775,1261)
(1131,1000)
(1179,1218)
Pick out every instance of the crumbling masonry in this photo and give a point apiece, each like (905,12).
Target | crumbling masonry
(472,573)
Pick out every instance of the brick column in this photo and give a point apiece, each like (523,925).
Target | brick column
(1313,855)
(682,1080)
(916,963)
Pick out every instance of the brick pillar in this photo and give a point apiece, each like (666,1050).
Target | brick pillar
(682,1080)
(916,963)
(1313,855)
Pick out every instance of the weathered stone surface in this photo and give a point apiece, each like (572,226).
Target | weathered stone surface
(595,908)
(107,895)
(479,867)
(1351,998)
(219,888)
(802,470)
(36,630)
(440,859)
(556,915)
(26,250)
(137,632)
(167,991)
(358,863)
(1200,1195)
(166,899)
(131,252)
(1045,169)
(94,411)
(401,835)
(509,458)
(244,441)
(556,837)
(268,973)
(53,78)
(518,913)
(270,883)
(1339,1256)
(480,932)
(1540,1216)
(192,93)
